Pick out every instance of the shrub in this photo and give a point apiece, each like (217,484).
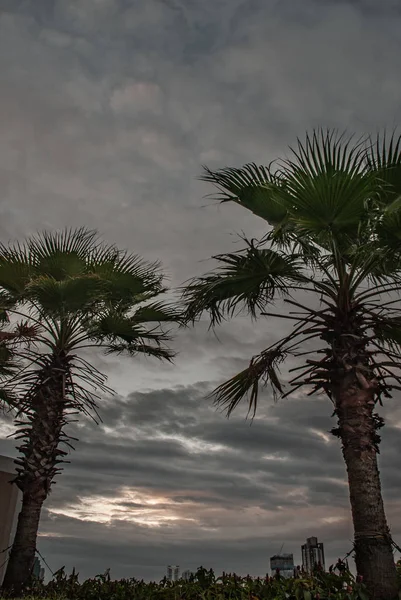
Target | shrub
(203,585)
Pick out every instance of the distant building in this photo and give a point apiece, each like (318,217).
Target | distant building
(10,506)
(38,571)
(186,574)
(173,572)
(312,555)
(284,563)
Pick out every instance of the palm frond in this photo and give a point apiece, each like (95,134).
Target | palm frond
(388,332)
(329,184)
(15,273)
(245,384)
(13,342)
(249,279)
(158,312)
(133,349)
(253,187)
(127,278)
(70,295)
(76,242)
(114,331)
(384,161)
(327,151)
(8,398)
(388,229)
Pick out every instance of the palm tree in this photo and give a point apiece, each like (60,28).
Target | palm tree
(334,214)
(78,294)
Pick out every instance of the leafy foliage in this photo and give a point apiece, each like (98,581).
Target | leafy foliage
(14,341)
(203,585)
(78,292)
(333,214)
(252,279)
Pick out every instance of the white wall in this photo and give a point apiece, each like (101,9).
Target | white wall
(10,506)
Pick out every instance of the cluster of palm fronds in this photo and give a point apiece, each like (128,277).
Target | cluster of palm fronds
(334,213)
(61,293)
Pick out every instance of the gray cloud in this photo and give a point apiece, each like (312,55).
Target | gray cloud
(224,484)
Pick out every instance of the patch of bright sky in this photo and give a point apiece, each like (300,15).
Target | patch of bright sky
(6,429)
(106,510)
(323,435)
(195,445)
(274,457)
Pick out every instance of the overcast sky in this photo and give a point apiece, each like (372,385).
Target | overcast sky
(109,109)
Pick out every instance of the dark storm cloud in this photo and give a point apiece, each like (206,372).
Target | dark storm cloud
(257,483)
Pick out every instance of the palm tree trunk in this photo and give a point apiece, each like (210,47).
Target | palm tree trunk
(355,402)
(22,555)
(36,468)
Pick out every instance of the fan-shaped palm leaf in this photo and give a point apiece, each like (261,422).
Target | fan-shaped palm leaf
(249,279)
(255,188)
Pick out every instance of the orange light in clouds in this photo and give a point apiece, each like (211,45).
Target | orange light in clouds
(102,509)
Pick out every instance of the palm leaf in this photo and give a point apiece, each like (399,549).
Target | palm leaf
(322,191)
(246,383)
(127,278)
(158,312)
(67,296)
(78,242)
(139,347)
(388,229)
(249,279)
(255,188)
(388,331)
(61,265)
(384,161)
(329,184)
(11,342)
(15,273)
(117,332)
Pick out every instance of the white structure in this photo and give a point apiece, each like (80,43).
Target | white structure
(283,563)
(313,555)
(186,575)
(10,506)
(173,572)
(38,571)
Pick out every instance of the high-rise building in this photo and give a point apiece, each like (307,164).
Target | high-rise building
(312,555)
(173,572)
(186,574)
(38,571)
(10,506)
(284,563)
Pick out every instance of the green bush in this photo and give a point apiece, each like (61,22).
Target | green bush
(203,585)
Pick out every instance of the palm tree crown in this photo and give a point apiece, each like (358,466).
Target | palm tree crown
(334,217)
(72,293)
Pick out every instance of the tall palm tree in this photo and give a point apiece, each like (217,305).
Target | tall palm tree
(78,294)
(333,210)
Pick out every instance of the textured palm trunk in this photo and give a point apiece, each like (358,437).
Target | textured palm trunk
(355,402)
(37,466)
(22,554)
